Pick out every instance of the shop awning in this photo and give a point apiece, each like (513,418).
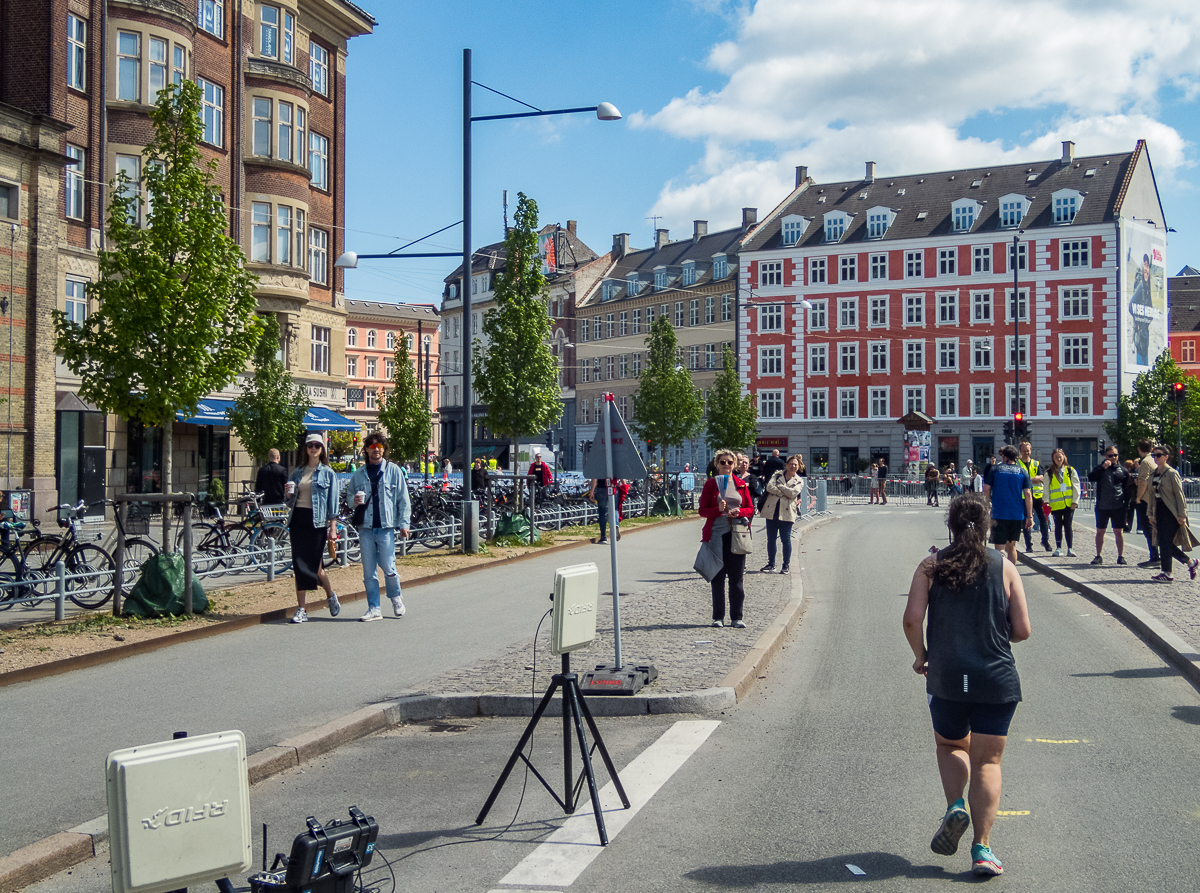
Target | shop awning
(209,412)
(321,419)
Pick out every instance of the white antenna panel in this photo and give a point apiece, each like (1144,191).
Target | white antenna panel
(576,591)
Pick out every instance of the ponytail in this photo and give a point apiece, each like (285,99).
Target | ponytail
(965,561)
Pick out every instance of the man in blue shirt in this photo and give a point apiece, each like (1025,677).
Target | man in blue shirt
(1009,489)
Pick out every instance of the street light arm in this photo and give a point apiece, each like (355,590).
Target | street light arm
(605,111)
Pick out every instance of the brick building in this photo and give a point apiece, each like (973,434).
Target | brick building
(273,79)
(1183,298)
(910,285)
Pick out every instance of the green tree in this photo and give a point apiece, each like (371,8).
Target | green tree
(1148,411)
(269,413)
(404,413)
(669,408)
(341,443)
(732,415)
(517,376)
(174,317)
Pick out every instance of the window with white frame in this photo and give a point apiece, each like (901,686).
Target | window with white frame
(914,400)
(688,274)
(585,411)
(633,284)
(660,278)
(847,313)
(679,314)
(1075,351)
(879,352)
(76,300)
(320,349)
(623,407)
(914,264)
(835,225)
(879,266)
(73,183)
(770,273)
(726,308)
(770,359)
(210,16)
(947,401)
(914,356)
(981,354)
(947,261)
(1018,352)
(1187,351)
(694,312)
(710,309)
(816,271)
(770,318)
(76,52)
(963,213)
(390,341)
(585,372)
(878,221)
(878,309)
(793,227)
(318,160)
(818,319)
(879,403)
(818,355)
(914,310)
(1075,302)
(849,268)
(351,367)
(710,357)
(981,307)
(318,256)
(212,112)
(1012,210)
(1075,252)
(720,266)
(1015,405)
(818,403)
(1066,204)
(1022,255)
(947,308)
(1018,309)
(370,338)
(284,234)
(848,358)
(610,327)
(595,369)
(283,144)
(847,403)
(262,117)
(623,364)
(276,33)
(1076,399)
(610,368)
(352,337)
(636,365)
(981,400)
(129,66)
(260,232)
(947,354)
(585,329)
(158,51)
(372,367)
(318,67)
(635,325)
(770,404)
(623,323)
(982,258)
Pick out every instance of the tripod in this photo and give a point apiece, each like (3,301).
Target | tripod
(575,711)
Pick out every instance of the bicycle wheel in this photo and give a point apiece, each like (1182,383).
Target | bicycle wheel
(12,571)
(283,552)
(239,537)
(93,569)
(41,554)
(210,549)
(137,552)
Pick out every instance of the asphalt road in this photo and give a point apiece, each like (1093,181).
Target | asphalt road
(828,762)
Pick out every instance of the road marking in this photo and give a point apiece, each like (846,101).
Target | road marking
(855,512)
(1056,741)
(1013,812)
(571,849)
(910,513)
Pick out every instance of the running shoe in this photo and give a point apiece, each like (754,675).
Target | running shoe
(1071,553)
(984,862)
(1192,566)
(954,823)
(1121,560)
(1163,578)
(1153,562)
(1097,560)
(301,616)
(335,607)
(1056,554)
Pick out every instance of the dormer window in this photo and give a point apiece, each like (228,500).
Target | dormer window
(632,285)
(793,227)
(607,292)
(878,221)
(688,277)
(1066,204)
(1013,209)
(660,278)
(720,266)
(835,225)
(964,212)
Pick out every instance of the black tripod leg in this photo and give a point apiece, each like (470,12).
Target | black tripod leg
(571,695)
(516,754)
(608,763)
(568,781)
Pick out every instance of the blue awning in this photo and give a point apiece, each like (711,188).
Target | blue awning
(209,412)
(321,419)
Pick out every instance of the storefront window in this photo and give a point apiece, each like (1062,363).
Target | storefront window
(144,465)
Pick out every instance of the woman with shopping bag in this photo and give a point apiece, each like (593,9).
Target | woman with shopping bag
(1168,516)
(727,507)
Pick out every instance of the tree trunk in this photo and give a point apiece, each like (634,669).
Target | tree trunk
(518,495)
(168,446)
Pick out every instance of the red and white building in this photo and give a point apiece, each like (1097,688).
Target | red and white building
(862,302)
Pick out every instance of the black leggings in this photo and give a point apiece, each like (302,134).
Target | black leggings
(1167,526)
(733,568)
(1063,519)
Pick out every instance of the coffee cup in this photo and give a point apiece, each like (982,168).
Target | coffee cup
(360,497)
(291,487)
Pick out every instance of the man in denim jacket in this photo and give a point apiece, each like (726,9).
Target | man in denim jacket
(388,510)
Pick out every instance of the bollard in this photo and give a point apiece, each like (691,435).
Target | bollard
(270,559)
(822,497)
(60,591)
(470,529)
(344,554)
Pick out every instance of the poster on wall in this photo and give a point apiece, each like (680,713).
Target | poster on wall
(916,448)
(1143,299)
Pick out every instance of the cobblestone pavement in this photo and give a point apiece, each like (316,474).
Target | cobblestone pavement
(665,623)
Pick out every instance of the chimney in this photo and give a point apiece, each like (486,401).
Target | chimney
(620,245)
(571,226)
(870,177)
(661,238)
(1068,152)
(801,175)
(749,218)
(699,230)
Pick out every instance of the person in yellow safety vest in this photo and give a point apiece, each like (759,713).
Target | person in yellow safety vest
(1062,492)
(1033,469)
(492,464)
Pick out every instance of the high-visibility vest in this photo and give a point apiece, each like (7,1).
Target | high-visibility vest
(1031,468)
(1063,488)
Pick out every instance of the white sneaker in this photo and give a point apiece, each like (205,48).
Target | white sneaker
(1071,553)
(1056,554)
(335,607)
(372,614)
(398,606)
(301,616)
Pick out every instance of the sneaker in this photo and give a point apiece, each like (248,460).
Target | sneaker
(1057,553)
(301,616)
(718,623)
(335,607)
(1097,560)
(1192,566)
(738,624)
(984,862)
(372,614)
(785,570)
(1071,553)
(1153,562)
(1121,560)
(954,823)
(767,569)
(1047,547)
(618,534)
(602,542)
(1163,578)
(398,606)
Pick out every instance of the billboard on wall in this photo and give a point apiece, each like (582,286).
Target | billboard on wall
(1143,288)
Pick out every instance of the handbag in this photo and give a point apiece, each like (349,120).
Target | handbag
(742,541)
(1185,539)
(708,561)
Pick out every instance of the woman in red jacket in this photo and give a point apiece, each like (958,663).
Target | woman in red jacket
(723,509)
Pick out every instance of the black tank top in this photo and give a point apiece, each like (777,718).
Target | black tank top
(970,658)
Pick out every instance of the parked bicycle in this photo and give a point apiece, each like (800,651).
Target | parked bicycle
(219,546)
(90,569)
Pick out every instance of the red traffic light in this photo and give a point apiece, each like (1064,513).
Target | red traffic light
(1178,386)
(1017,416)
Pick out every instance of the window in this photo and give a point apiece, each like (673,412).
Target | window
(320,350)
(1187,352)
(610,327)
(318,160)
(284,142)
(914,264)
(1021,255)
(982,256)
(1076,399)
(390,341)
(76,301)
(947,261)
(131,167)
(981,354)
(963,213)
(835,225)
(817,356)
(351,363)
(818,406)
(726,308)
(636,366)
(632,285)
(878,309)
(623,323)
(688,275)
(879,266)
(610,368)
(1075,302)
(879,356)
(1018,352)
(623,407)
(301,134)
(679,314)
(129,66)
(981,307)
(1075,253)
(710,309)
(1018,308)
(879,403)
(1066,205)
(816,271)
(371,366)
(352,337)
(720,266)
(370,338)
(770,359)
(1075,351)
(792,228)
(849,268)
(261,128)
(817,320)
(585,329)
(318,67)
(585,371)
(981,400)
(948,309)
(1013,405)
(623,364)
(1012,211)
(210,14)
(914,400)
(770,273)
(283,234)
(260,232)
(585,411)
(878,221)
(372,394)
(73,186)
(770,318)
(948,401)
(76,52)
(694,357)
(694,312)
(710,357)
(914,356)
(770,404)
(596,369)
(848,313)
(158,64)
(272,31)
(847,403)
(212,111)
(660,278)
(914,310)
(318,255)
(848,358)
(947,353)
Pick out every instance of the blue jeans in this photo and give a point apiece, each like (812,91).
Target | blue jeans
(379,551)
(602,507)
(783,530)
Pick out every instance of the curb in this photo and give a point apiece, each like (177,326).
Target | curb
(51,855)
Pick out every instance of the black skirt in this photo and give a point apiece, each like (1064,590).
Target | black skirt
(308,548)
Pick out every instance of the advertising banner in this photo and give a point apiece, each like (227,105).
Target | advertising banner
(1143,304)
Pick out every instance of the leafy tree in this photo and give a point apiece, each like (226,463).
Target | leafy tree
(175,306)
(517,377)
(669,409)
(404,413)
(270,411)
(341,443)
(732,415)
(1148,411)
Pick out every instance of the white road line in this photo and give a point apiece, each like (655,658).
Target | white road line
(571,849)
(854,512)
(911,513)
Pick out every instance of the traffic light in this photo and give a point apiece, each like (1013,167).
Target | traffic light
(1179,392)
(1008,430)
(550,440)
(354,438)
(1020,426)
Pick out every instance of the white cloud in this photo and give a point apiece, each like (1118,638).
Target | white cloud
(834,83)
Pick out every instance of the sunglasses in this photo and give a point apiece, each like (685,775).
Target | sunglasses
(1110,455)
(314,446)
(1158,455)
(724,461)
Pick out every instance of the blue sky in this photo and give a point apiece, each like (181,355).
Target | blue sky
(722,100)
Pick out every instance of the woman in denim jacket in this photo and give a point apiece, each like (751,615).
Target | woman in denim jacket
(313,496)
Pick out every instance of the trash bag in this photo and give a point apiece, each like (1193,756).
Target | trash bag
(159,592)
(514,524)
(665,505)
